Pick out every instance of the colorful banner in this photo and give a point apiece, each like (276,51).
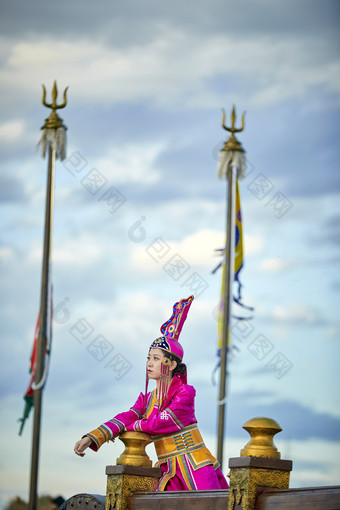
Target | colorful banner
(28,397)
(238,265)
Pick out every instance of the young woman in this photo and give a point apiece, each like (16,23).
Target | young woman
(168,415)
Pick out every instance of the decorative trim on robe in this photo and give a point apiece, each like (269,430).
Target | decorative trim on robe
(170,473)
(188,448)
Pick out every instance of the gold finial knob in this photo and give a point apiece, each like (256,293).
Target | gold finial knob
(233,143)
(134,453)
(261,444)
(53,121)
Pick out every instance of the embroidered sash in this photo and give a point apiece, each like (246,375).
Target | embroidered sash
(187,442)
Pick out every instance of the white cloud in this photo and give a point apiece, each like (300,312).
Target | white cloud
(196,249)
(274,265)
(253,244)
(128,313)
(174,68)
(295,312)
(332,332)
(131,164)
(81,251)
(11,131)
(6,254)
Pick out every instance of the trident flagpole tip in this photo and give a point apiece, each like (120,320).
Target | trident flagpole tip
(232,151)
(54,121)
(54,95)
(54,130)
(233,129)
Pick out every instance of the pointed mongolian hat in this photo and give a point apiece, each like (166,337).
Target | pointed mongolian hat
(172,328)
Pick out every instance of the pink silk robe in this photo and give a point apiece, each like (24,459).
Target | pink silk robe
(180,472)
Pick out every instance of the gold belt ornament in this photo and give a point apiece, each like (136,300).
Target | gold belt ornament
(185,441)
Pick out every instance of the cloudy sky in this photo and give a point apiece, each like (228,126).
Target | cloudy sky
(139,212)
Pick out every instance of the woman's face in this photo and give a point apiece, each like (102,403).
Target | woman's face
(154,362)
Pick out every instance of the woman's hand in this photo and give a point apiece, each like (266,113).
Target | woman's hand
(81,446)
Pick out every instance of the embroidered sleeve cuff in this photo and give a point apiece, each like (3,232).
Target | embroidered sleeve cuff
(99,436)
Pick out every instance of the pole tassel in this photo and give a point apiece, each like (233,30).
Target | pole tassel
(229,159)
(56,138)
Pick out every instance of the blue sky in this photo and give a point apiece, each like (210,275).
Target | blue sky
(147,82)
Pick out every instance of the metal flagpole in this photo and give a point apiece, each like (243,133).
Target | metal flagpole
(53,136)
(231,166)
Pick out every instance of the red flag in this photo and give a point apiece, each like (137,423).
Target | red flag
(28,397)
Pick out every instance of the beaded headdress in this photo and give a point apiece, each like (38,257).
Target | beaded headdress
(171,330)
